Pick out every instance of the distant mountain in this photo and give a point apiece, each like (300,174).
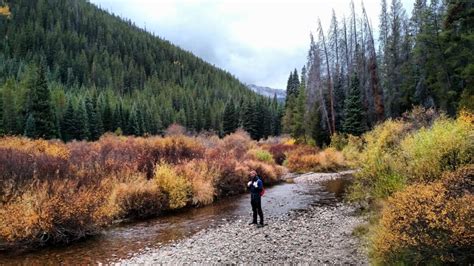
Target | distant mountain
(267,92)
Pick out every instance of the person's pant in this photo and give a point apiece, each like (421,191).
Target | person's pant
(257,209)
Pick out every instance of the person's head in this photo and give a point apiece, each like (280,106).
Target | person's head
(253,173)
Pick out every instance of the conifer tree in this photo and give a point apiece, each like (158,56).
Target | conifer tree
(9,116)
(299,114)
(250,120)
(40,106)
(230,120)
(82,123)
(95,122)
(354,122)
(30,127)
(68,125)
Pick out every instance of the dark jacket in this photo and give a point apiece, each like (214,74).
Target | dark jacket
(255,187)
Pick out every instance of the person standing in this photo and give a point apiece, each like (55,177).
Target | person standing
(255,185)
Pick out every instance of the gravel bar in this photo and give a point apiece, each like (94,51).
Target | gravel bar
(316,235)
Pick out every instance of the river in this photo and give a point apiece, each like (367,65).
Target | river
(126,240)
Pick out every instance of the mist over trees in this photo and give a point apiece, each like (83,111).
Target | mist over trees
(352,80)
(73,71)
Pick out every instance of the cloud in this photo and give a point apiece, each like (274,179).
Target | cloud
(258,41)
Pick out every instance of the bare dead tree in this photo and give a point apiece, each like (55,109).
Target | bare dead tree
(315,87)
(373,71)
(332,128)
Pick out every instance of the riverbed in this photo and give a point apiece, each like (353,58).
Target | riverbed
(134,240)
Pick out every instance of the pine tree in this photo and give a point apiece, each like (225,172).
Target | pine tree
(250,120)
(354,122)
(30,127)
(107,116)
(133,127)
(40,106)
(9,116)
(298,130)
(68,125)
(230,118)
(95,122)
(82,123)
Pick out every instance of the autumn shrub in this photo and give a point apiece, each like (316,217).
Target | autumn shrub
(446,145)
(202,177)
(428,223)
(176,187)
(378,176)
(308,159)
(237,143)
(279,151)
(232,177)
(352,150)
(339,141)
(260,155)
(135,197)
(174,149)
(396,154)
(56,211)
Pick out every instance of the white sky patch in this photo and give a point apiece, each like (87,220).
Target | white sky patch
(258,41)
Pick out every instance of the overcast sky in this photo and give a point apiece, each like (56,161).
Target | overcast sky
(257,41)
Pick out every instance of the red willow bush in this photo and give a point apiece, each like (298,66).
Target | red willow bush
(54,192)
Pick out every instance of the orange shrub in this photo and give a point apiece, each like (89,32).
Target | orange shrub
(428,223)
(306,159)
(56,211)
(136,197)
(202,177)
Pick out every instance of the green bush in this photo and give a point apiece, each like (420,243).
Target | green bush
(447,145)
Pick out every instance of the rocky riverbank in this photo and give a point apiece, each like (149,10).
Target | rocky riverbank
(318,234)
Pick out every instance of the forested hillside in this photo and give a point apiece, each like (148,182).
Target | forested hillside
(71,70)
(352,81)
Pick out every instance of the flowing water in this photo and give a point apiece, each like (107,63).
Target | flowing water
(126,240)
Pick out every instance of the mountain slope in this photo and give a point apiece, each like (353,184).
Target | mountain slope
(267,91)
(137,82)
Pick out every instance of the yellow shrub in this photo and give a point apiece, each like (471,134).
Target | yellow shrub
(428,223)
(52,148)
(379,160)
(352,151)
(176,187)
(447,145)
(202,177)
